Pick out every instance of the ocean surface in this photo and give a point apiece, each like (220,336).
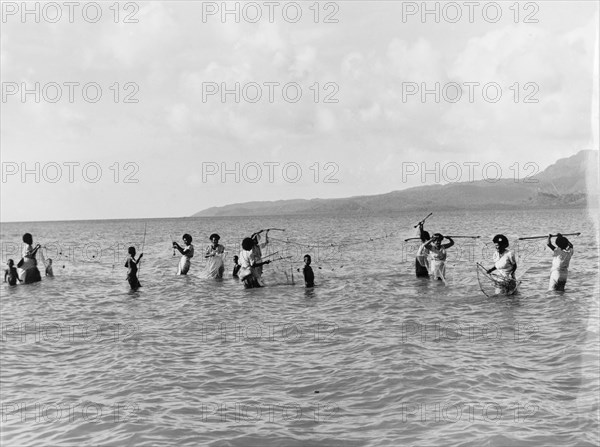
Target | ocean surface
(372,356)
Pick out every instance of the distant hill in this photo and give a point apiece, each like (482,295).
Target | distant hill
(570,182)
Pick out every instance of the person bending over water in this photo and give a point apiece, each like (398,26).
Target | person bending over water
(249,273)
(132,268)
(28,265)
(561,258)
(187,253)
(437,253)
(504,262)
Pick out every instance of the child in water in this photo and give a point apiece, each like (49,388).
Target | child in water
(307,271)
(10,274)
(132,268)
(49,271)
(236,266)
(560,262)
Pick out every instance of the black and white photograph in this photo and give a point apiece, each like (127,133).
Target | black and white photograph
(300,223)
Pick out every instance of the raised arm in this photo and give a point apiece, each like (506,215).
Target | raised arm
(421,231)
(449,244)
(550,246)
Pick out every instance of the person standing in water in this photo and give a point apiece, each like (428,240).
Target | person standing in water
(561,258)
(187,253)
(28,265)
(504,262)
(248,273)
(422,258)
(236,266)
(257,249)
(214,254)
(132,268)
(49,269)
(10,274)
(437,251)
(307,271)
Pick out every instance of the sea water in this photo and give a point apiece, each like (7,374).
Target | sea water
(371,356)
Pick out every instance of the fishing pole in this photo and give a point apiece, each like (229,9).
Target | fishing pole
(143,244)
(423,221)
(544,237)
(272,254)
(266,229)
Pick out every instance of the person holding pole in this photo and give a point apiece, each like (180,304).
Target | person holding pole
(505,262)
(422,258)
(560,261)
(437,262)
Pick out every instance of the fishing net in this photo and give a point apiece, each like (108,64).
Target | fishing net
(495,284)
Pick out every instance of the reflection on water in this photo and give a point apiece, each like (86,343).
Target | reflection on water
(370,356)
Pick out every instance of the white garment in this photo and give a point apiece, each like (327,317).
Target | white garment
(505,263)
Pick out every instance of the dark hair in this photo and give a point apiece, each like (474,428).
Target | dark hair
(131,251)
(562,241)
(247,244)
(501,240)
(187,236)
(10,262)
(439,236)
(214,235)
(28,238)
(235,257)
(425,236)
(309,258)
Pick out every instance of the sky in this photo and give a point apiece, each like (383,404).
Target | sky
(162,109)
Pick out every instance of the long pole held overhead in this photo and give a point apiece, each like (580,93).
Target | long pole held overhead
(464,237)
(544,237)
(423,221)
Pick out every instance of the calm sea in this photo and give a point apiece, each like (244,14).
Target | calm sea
(371,356)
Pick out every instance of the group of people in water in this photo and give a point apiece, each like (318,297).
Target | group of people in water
(26,271)
(431,260)
(248,266)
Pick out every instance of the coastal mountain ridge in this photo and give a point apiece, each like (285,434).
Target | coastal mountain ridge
(570,182)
